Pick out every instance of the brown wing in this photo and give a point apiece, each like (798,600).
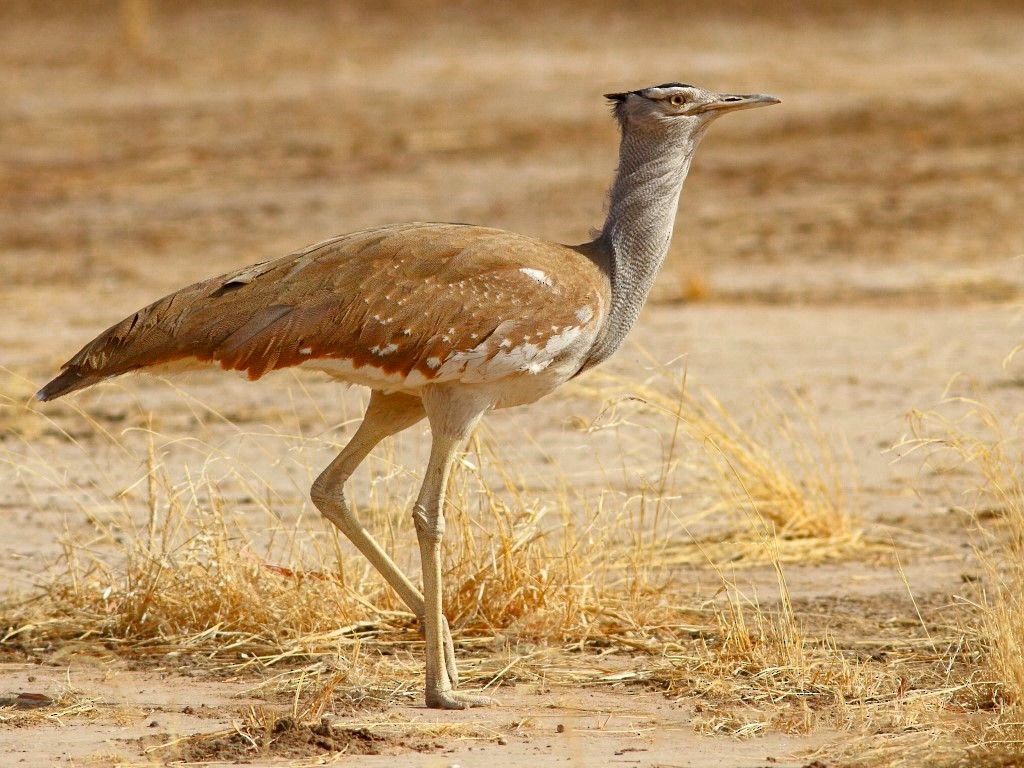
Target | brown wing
(399,299)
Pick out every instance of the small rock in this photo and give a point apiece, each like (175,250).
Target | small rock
(502,741)
(153,724)
(559,728)
(29,701)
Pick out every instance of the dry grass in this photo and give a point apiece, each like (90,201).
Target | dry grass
(175,568)
(210,563)
(775,490)
(177,557)
(25,710)
(967,438)
(979,720)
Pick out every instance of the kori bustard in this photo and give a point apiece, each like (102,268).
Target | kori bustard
(443,321)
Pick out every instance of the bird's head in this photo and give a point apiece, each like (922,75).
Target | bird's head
(679,108)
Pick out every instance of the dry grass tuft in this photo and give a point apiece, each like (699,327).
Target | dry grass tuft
(765,670)
(780,482)
(34,709)
(559,570)
(185,578)
(965,436)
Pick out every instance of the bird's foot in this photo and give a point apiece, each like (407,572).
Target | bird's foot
(457,700)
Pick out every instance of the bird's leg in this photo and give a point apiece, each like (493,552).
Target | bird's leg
(452,418)
(385,415)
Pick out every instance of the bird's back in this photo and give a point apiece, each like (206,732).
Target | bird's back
(394,307)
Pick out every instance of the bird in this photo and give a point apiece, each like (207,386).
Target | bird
(440,321)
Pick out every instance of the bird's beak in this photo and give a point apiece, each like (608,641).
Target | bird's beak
(727,102)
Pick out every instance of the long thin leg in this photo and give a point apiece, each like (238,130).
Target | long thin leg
(452,417)
(385,415)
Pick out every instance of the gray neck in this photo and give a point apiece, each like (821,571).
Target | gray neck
(636,235)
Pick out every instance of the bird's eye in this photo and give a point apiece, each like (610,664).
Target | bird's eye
(677,100)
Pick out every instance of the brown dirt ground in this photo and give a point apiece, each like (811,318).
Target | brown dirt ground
(861,242)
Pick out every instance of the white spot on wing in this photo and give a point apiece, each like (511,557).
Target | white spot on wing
(583,314)
(536,274)
(306,351)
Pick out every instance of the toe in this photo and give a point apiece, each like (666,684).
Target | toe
(458,700)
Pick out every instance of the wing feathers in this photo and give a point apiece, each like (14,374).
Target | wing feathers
(399,299)
(251,346)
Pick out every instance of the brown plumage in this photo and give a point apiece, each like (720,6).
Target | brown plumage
(441,321)
(398,303)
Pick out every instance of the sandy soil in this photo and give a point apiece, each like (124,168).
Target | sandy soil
(861,243)
(580,728)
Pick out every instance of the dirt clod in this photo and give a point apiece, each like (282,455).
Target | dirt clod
(290,738)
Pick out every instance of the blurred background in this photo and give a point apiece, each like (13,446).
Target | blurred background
(845,254)
(146,143)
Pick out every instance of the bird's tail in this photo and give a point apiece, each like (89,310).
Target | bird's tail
(196,323)
(136,342)
(69,380)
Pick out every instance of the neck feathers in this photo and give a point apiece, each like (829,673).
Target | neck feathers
(641,214)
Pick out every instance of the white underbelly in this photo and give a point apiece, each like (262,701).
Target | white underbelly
(514,376)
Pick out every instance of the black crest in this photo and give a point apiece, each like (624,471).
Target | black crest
(640,92)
